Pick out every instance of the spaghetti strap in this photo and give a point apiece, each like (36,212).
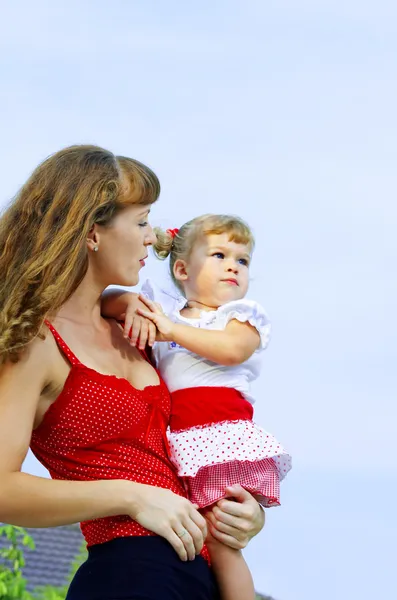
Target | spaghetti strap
(62,345)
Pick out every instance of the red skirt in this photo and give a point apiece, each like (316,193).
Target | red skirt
(214,443)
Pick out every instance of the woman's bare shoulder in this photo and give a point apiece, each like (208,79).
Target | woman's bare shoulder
(34,364)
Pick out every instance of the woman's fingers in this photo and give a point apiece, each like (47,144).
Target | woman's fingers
(199,520)
(128,324)
(191,531)
(143,335)
(135,330)
(139,322)
(185,537)
(142,331)
(152,334)
(196,535)
(171,516)
(176,543)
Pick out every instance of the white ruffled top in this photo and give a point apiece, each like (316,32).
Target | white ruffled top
(182,369)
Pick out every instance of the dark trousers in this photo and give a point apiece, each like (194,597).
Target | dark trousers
(141,568)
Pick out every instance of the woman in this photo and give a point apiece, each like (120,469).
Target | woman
(91,406)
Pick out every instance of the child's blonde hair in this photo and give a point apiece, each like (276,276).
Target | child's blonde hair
(178,244)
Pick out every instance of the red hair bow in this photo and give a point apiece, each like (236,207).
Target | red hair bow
(172,232)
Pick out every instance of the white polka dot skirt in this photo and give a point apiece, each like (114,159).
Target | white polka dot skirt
(212,457)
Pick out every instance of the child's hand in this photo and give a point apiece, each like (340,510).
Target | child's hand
(138,329)
(155,314)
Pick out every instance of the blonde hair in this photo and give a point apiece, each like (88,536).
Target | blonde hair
(179,246)
(43,251)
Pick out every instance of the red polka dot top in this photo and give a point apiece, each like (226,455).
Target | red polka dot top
(100,427)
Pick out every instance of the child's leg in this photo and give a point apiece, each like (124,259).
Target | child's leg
(231,571)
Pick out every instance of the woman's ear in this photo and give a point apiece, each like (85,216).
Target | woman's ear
(93,239)
(180,270)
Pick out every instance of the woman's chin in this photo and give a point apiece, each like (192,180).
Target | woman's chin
(129,281)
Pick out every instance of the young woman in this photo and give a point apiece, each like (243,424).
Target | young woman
(92,408)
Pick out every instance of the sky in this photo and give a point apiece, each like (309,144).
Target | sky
(283,113)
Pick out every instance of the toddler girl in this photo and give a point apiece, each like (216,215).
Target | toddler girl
(209,350)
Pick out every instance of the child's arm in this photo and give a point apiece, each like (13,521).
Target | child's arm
(231,572)
(122,306)
(231,346)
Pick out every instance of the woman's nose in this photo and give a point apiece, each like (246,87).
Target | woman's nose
(151,238)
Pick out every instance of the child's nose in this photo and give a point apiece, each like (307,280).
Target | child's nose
(233,266)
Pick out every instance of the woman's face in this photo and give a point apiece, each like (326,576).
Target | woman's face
(122,246)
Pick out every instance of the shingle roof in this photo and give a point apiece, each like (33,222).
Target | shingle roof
(56,549)
(50,563)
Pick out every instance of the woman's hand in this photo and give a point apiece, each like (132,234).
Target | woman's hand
(122,306)
(170,516)
(236,519)
(154,312)
(140,330)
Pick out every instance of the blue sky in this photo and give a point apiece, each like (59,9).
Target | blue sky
(284,113)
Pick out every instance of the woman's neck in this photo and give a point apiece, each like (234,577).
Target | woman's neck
(84,305)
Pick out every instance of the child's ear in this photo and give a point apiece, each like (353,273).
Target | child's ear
(180,270)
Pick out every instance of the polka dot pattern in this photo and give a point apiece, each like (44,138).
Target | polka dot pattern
(100,427)
(214,456)
(213,440)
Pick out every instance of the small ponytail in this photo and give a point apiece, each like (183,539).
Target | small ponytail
(163,245)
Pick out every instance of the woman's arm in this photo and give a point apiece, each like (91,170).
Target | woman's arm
(32,501)
(231,346)
(122,306)
(114,302)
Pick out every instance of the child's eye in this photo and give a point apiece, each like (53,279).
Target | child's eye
(218,255)
(243,261)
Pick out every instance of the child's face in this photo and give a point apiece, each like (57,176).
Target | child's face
(217,271)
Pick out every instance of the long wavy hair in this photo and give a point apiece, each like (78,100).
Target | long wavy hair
(43,232)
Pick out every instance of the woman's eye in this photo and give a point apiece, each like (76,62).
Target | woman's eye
(145,224)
